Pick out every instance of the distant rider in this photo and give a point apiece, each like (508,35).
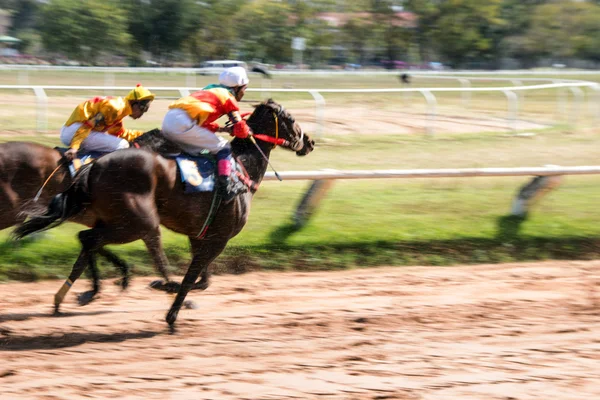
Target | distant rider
(190,122)
(97,124)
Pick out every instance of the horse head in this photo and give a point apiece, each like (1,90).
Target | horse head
(155,141)
(274,124)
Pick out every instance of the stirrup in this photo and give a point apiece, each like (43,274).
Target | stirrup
(224,189)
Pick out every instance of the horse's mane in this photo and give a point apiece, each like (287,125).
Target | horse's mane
(155,141)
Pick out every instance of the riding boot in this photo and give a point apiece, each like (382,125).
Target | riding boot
(224,185)
(224,188)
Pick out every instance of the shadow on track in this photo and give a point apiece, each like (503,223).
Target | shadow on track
(60,340)
(25,316)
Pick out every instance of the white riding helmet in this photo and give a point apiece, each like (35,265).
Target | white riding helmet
(234,76)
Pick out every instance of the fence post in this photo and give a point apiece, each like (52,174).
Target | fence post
(184,92)
(266,84)
(42,109)
(594,103)
(561,102)
(432,110)
(531,192)
(23,77)
(311,200)
(575,109)
(190,78)
(109,80)
(520,93)
(319,111)
(466,94)
(513,107)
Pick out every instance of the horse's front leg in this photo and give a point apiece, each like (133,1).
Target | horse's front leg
(118,262)
(204,281)
(204,252)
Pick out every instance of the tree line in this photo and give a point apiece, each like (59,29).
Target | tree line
(456,32)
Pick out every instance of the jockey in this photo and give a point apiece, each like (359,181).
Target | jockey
(97,124)
(190,122)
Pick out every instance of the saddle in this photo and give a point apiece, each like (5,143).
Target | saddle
(83,158)
(198,173)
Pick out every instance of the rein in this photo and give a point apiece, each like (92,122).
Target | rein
(275,140)
(39,193)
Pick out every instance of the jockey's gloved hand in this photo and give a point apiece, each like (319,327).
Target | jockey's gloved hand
(70,154)
(241,130)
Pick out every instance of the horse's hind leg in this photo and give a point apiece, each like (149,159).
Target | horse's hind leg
(122,265)
(92,241)
(85,257)
(8,206)
(86,298)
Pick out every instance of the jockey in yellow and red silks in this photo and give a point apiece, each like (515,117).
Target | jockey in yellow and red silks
(190,121)
(97,124)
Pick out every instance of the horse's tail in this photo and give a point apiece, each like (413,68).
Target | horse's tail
(62,207)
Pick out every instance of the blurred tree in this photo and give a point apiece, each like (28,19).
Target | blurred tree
(23,14)
(265,30)
(357,34)
(390,32)
(565,30)
(82,29)
(464,30)
(427,12)
(162,26)
(215,32)
(511,40)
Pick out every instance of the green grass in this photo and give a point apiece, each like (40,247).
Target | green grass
(364,223)
(382,222)
(376,222)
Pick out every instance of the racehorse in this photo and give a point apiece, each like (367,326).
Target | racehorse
(24,167)
(32,174)
(131,193)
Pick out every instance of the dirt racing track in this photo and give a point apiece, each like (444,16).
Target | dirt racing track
(512,331)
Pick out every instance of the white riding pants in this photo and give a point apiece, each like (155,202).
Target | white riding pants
(96,141)
(178,127)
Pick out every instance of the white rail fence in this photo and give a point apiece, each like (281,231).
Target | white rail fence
(428,93)
(546,179)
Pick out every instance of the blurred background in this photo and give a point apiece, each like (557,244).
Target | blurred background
(415,34)
(415,84)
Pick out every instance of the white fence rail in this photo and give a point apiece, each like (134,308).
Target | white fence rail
(433,173)
(427,93)
(546,179)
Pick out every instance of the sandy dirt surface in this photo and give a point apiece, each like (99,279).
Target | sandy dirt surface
(513,331)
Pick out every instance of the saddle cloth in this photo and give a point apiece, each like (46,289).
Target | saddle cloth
(198,174)
(83,158)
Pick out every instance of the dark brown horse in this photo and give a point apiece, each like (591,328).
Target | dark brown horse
(131,193)
(26,167)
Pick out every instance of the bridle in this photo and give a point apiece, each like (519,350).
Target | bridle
(277,141)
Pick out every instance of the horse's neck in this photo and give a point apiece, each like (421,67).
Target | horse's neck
(251,159)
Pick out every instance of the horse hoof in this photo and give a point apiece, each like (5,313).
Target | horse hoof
(190,305)
(157,285)
(171,318)
(86,298)
(123,282)
(202,285)
(172,287)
